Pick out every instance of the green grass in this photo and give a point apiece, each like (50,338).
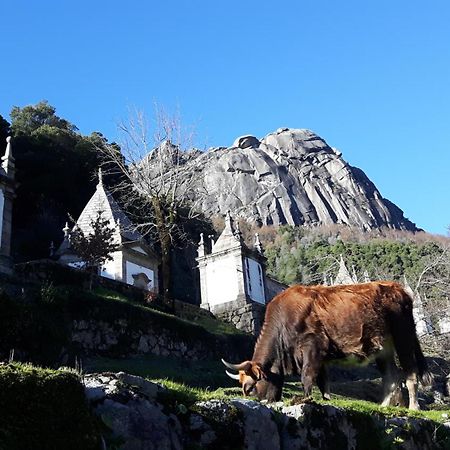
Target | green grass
(111,295)
(206,374)
(180,393)
(191,381)
(214,326)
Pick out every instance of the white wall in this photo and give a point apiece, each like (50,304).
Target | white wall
(255,281)
(112,269)
(222,281)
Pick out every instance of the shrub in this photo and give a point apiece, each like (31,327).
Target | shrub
(44,409)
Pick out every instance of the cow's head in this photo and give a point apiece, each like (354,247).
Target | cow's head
(255,381)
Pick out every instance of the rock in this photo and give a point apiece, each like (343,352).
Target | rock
(149,389)
(141,425)
(291,176)
(246,142)
(143,346)
(126,405)
(129,407)
(261,431)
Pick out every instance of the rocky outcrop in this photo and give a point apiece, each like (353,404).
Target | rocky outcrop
(139,414)
(291,176)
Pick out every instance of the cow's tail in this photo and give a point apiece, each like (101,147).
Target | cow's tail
(425,376)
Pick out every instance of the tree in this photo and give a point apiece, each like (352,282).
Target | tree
(155,183)
(28,120)
(55,174)
(4,131)
(95,246)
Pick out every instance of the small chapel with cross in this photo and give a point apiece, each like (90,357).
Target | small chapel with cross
(233,281)
(134,263)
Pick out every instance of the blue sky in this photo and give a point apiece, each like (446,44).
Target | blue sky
(372,78)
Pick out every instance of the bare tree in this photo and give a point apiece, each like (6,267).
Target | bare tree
(155,180)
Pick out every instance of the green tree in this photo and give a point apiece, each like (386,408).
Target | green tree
(56,169)
(4,131)
(29,119)
(95,246)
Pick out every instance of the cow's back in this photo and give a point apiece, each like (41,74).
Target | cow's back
(355,319)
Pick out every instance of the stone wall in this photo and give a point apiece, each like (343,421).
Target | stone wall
(244,316)
(120,338)
(106,338)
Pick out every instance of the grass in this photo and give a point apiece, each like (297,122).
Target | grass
(180,393)
(206,374)
(112,295)
(216,326)
(191,381)
(188,395)
(213,326)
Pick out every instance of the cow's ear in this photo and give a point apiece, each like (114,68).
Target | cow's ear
(258,372)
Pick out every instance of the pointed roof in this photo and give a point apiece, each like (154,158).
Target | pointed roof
(343,276)
(229,238)
(103,201)
(65,248)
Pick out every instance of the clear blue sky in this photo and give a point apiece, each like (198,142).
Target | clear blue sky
(371,77)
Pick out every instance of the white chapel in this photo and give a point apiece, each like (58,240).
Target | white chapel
(135,263)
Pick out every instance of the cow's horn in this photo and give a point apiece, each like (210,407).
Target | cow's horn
(232,375)
(243,366)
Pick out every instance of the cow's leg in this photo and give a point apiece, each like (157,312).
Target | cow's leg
(405,344)
(411,384)
(312,363)
(386,365)
(323,383)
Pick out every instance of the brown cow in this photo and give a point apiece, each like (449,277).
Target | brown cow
(305,328)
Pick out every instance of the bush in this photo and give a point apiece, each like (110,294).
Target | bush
(44,409)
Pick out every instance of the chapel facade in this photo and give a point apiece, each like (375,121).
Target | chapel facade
(233,281)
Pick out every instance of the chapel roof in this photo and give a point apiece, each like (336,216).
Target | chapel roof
(103,201)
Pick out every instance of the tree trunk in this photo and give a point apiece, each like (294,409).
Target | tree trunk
(166,270)
(163,228)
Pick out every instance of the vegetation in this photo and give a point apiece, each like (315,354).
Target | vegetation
(303,255)
(43,408)
(154,181)
(55,174)
(38,322)
(206,374)
(97,246)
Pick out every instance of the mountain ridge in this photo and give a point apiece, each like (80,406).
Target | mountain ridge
(291,176)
